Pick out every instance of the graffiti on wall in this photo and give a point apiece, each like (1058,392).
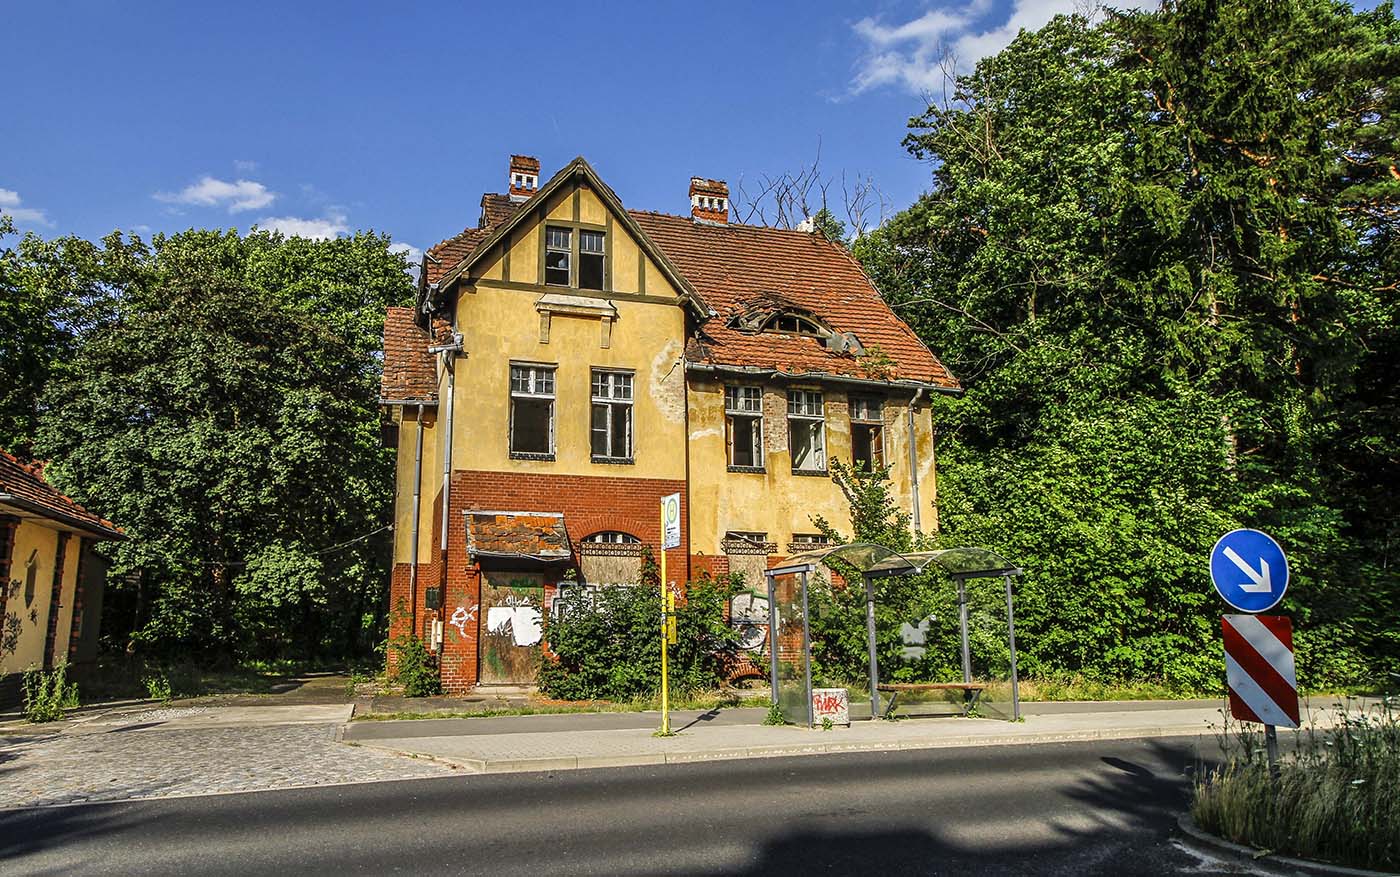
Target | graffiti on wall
(915,638)
(460,616)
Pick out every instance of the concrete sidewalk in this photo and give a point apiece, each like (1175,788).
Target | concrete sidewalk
(511,751)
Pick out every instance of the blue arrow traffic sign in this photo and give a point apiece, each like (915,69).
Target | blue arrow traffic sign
(1249,570)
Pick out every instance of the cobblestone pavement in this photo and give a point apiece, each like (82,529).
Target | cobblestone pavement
(135,762)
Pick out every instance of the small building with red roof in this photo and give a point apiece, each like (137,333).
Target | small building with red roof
(569,362)
(50,579)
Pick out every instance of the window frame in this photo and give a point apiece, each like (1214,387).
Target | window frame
(732,411)
(871,420)
(576,230)
(802,326)
(804,414)
(534,370)
(610,403)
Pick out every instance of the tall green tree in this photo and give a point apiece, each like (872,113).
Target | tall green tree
(220,406)
(1156,252)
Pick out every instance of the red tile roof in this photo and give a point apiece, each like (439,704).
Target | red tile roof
(23,487)
(496,209)
(518,534)
(444,256)
(410,375)
(737,268)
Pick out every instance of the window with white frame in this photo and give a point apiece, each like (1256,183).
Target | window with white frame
(867,433)
(532,411)
(558,255)
(611,419)
(806,431)
(743,425)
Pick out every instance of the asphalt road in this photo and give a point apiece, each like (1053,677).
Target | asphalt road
(1102,808)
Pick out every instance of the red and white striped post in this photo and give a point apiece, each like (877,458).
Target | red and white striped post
(1259,670)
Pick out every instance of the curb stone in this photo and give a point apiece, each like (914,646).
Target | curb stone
(1204,842)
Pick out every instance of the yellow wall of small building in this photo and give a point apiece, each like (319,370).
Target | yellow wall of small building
(36,538)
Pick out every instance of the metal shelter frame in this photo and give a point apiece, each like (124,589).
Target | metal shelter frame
(878,562)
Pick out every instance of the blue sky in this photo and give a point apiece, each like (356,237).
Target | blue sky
(321,118)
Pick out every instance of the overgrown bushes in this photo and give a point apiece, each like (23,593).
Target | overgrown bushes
(1336,798)
(416,669)
(605,643)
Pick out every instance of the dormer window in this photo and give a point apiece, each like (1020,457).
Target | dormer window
(583,267)
(791,324)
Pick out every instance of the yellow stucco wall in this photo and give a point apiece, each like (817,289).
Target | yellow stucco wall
(40,541)
(501,326)
(431,486)
(776,501)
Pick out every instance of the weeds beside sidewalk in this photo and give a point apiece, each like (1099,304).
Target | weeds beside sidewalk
(1336,797)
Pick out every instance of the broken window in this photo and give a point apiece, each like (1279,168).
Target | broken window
(611,425)
(793,325)
(591,259)
(806,431)
(743,424)
(532,411)
(558,252)
(867,433)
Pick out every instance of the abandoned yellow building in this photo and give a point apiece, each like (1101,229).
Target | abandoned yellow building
(50,579)
(569,362)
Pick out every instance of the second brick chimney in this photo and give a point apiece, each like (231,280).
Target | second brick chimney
(524,176)
(709,200)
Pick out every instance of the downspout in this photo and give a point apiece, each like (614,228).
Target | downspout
(449,354)
(417,515)
(914,461)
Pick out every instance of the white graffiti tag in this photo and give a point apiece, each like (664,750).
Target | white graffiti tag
(519,618)
(460,616)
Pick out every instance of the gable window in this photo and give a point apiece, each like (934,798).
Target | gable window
(743,426)
(591,258)
(867,433)
(806,431)
(532,412)
(793,325)
(611,419)
(558,255)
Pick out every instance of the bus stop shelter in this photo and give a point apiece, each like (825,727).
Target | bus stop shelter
(787,604)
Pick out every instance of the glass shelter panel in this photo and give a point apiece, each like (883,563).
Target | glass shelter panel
(791,640)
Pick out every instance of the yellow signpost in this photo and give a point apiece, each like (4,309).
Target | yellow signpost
(670,538)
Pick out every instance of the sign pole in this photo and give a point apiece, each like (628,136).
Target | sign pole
(1271,743)
(665,623)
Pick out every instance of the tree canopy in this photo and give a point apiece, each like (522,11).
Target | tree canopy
(1159,251)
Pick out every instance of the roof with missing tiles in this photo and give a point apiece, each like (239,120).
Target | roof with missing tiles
(740,268)
(410,375)
(534,535)
(24,489)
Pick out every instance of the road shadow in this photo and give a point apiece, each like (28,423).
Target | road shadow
(703,717)
(43,829)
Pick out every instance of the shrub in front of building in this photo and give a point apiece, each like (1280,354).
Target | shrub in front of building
(605,642)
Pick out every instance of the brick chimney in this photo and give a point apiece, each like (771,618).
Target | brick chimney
(709,200)
(524,176)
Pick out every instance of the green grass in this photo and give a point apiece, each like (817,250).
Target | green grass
(1336,797)
(701,701)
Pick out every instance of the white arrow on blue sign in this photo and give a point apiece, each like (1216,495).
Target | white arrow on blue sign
(1249,570)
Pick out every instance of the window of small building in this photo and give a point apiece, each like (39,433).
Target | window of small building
(611,419)
(747,552)
(743,425)
(867,433)
(612,537)
(558,255)
(591,259)
(610,558)
(806,431)
(532,411)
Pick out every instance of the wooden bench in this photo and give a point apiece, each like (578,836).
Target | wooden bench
(972,691)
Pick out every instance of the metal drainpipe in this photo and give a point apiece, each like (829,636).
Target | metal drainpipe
(914,462)
(417,515)
(450,357)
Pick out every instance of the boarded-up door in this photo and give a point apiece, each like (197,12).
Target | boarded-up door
(511,621)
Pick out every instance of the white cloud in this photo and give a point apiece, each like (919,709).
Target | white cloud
(913,54)
(209,192)
(412,253)
(11,206)
(331,225)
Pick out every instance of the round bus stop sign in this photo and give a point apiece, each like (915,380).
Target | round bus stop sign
(1249,570)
